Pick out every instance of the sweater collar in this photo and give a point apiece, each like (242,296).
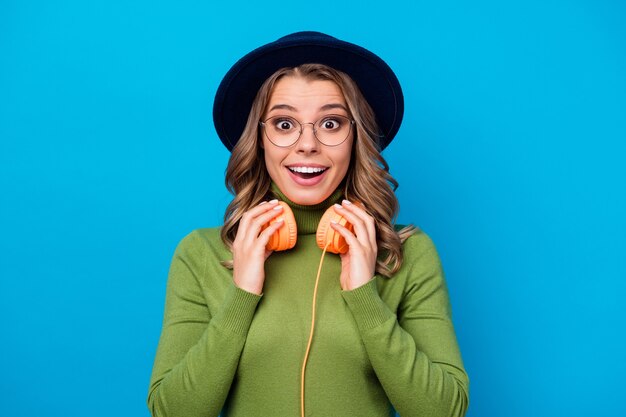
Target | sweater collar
(308,217)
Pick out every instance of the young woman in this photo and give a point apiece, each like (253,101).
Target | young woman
(251,331)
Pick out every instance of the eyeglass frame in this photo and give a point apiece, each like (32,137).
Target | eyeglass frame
(262,124)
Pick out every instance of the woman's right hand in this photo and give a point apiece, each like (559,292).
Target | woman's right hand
(249,253)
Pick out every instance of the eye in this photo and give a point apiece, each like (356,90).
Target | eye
(283,124)
(331,123)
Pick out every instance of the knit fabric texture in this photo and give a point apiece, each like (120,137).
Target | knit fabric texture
(386,346)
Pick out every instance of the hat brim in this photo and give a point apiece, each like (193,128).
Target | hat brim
(374,77)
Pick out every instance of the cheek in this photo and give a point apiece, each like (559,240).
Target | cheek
(267,154)
(346,154)
(343,161)
(273,160)
(268,162)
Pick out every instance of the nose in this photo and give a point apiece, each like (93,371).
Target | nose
(307,143)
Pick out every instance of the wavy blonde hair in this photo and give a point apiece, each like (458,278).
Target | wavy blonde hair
(367,180)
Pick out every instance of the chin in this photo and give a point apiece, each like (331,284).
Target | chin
(309,198)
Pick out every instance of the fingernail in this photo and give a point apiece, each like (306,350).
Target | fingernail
(278,208)
(333,221)
(280,219)
(338,206)
(262,202)
(346,202)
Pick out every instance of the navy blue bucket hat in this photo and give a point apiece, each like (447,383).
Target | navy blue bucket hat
(375,79)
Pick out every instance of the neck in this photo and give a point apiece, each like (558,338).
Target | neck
(308,217)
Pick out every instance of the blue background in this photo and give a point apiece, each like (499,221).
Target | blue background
(511,157)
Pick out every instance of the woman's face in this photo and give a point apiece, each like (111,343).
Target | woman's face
(307,101)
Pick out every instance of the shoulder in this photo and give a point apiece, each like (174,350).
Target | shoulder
(417,243)
(422,277)
(200,241)
(419,250)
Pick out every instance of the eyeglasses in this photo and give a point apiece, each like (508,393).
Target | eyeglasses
(330,130)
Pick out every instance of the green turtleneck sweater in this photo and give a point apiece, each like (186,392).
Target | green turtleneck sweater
(386,345)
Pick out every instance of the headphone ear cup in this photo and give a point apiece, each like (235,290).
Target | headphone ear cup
(285,237)
(326,234)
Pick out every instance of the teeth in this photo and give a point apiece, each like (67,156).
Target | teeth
(307,170)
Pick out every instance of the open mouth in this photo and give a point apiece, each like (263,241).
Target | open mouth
(307,172)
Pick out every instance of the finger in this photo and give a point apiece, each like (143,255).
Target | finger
(368,220)
(265,218)
(254,219)
(360,229)
(266,234)
(255,228)
(350,238)
(261,208)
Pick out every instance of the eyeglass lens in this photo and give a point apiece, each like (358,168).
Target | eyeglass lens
(331,130)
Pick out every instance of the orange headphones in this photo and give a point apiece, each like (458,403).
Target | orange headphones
(327,239)
(285,237)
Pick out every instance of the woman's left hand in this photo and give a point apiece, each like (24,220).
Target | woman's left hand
(358,265)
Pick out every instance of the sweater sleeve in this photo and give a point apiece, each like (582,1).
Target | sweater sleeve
(415,354)
(198,352)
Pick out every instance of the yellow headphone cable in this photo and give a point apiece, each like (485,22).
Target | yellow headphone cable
(306,354)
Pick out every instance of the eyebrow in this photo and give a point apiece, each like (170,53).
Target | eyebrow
(325,107)
(332,106)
